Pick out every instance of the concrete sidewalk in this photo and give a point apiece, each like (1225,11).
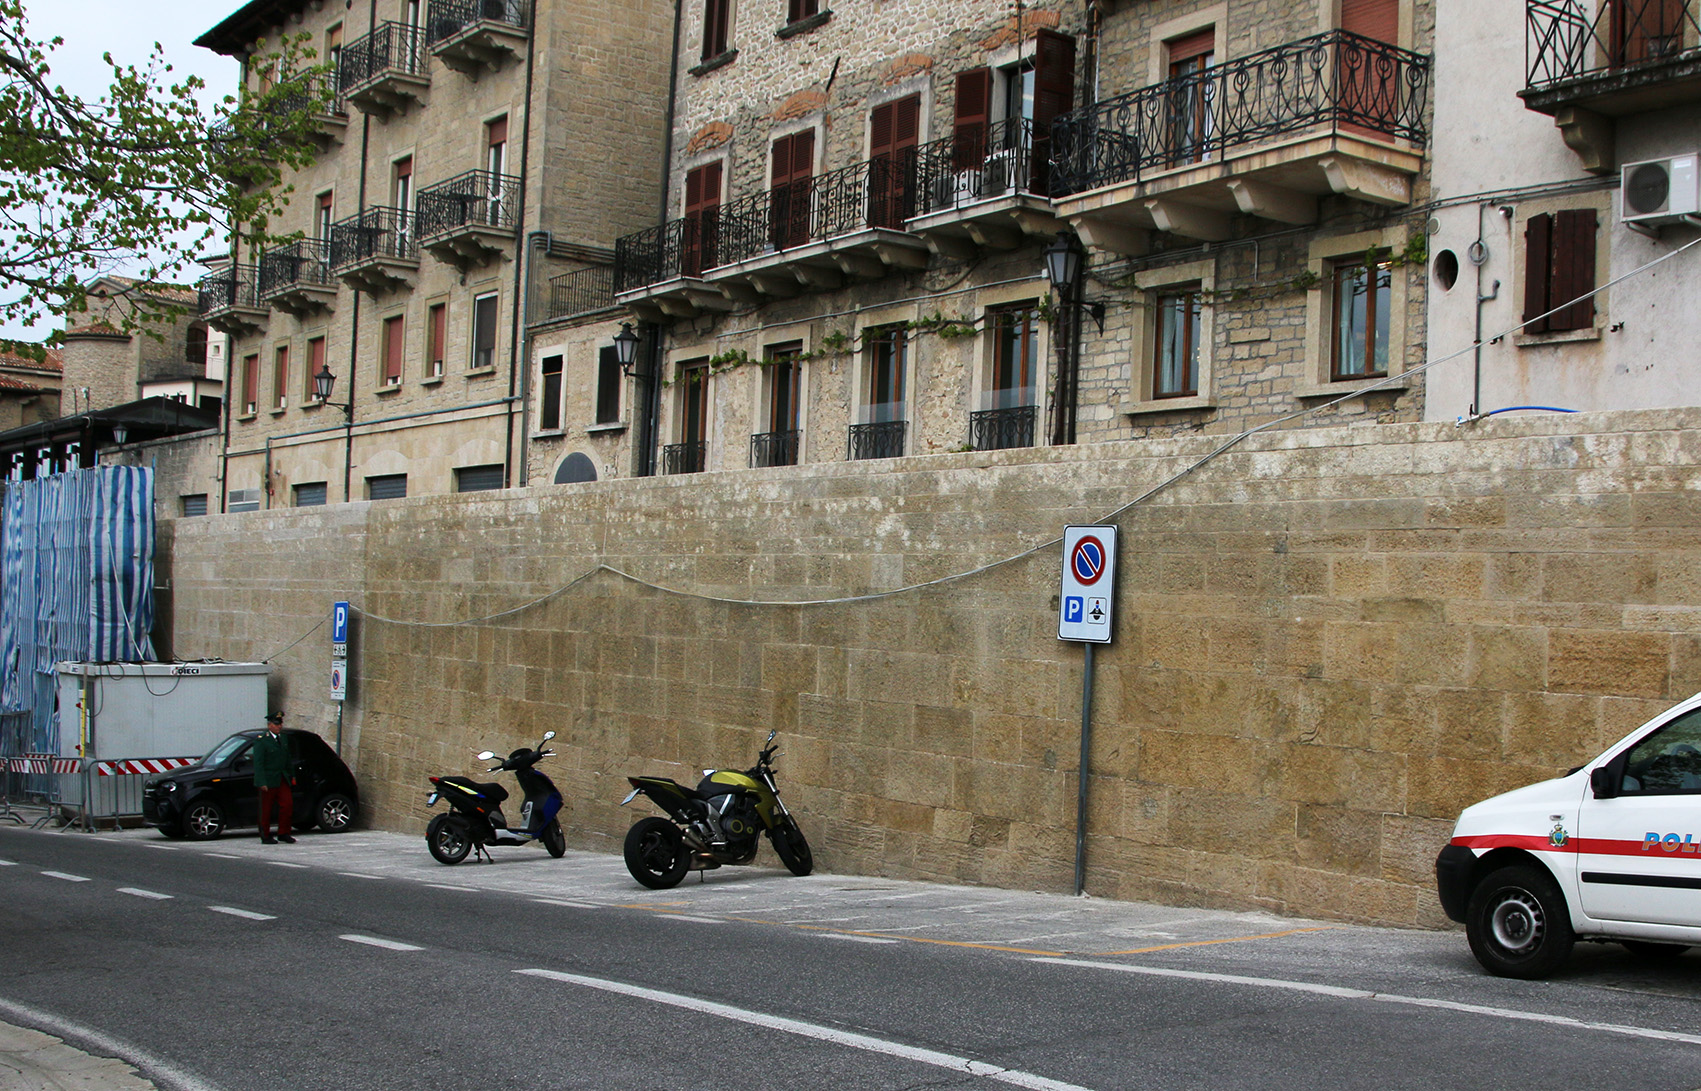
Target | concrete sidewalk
(33,1061)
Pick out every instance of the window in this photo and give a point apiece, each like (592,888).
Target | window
(690,454)
(436,339)
(778,447)
(717,26)
(195,346)
(310,494)
(242,500)
(1559,271)
(1668,762)
(549,413)
(392,351)
(251,384)
(387,487)
(1008,119)
(1191,96)
(193,504)
(799,10)
(792,179)
(334,46)
(496,162)
(484,332)
(1013,331)
(401,197)
(315,364)
(322,218)
(608,385)
(1361,305)
(1175,371)
(280,378)
(888,357)
(702,218)
(478,478)
(894,130)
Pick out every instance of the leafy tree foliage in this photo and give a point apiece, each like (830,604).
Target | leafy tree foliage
(138,180)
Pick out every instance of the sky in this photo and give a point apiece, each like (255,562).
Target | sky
(128,29)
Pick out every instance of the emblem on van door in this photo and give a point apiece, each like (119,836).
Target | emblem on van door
(1558,837)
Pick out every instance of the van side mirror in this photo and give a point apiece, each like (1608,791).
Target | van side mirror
(1604,780)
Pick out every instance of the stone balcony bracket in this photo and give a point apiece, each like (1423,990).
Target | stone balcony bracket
(485,46)
(389,94)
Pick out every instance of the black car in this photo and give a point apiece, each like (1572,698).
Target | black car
(216,793)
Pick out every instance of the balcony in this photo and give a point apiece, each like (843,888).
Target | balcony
(470,219)
(297,278)
(685,458)
(814,234)
(584,291)
(477,36)
(1587,61)
(1003,429)
(376,251)
(329,111)
(242,168)
(983,189)
(229,303)
(1263,135)
(385,72)
(883,439)
(775,448)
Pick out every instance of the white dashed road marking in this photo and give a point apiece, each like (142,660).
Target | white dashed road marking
(387,944)
(359,875)
(856,939)
(68,878)
(280,863)
(140,893)
(569,905)
(446,886)
(221,855)
(812,1030)
(688,917)
(243,913)
(8,863)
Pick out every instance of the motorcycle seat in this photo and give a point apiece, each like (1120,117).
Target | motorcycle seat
(491,791)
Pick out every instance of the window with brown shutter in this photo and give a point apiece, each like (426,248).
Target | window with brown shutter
(973,112)
(280,378)
(1559,271)
(894,130)
(315,364)
(1369,89)
(251,383)
(702,219)
(717,18)
(798,10)
(436,339)
(393,351)
(1054,96)
(792,178)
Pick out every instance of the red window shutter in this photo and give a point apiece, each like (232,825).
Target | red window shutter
(392,350)
(1538,262)
(1054,96)
(1379,19)
(880,130)
(793,168)
(250,381)
(702,199)
(1201,43)
(894,130)
(498,132)
(1573,270)
(973,111)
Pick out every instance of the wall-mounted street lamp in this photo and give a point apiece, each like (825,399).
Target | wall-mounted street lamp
(119,434)
(1064,260)
(626,349)
(323,381)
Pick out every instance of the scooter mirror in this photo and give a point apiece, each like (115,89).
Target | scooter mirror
(772,733)
(547,735)
(485,755)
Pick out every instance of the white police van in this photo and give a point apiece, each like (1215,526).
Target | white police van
(1609,852)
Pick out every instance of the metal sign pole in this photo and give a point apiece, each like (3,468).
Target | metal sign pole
(1081,788)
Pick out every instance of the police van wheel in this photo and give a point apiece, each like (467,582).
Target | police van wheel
(1518,924)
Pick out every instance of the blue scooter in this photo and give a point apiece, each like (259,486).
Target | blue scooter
(475,820)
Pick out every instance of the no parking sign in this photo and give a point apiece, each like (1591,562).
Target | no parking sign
(1089,584)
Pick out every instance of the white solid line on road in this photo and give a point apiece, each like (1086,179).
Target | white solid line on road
(387,944)
(88,1038)
(689,917)
(8,863)
(446,886)
(280,863)
(359,875)
(1387,998)
(221,855)
(67,877)
(140,893)
(855,939)
(243,913)
(157,845)
(812,1030)
(569,905)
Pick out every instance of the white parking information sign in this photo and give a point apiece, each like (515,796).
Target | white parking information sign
(1089,584)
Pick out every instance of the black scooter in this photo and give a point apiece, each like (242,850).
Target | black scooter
(475,820)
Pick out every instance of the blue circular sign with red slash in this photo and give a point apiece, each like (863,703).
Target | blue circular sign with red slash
(1087,560)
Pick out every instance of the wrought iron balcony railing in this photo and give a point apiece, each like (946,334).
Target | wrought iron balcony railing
(978,165)
(685,458)
(1002,429)
(310,94)
(775,448)
(873,193)
(447,18)
(375,233)
(226,289)
(1333,79)
(306,263)
(392,47)
(883,439)
(581,292)
(478,198)
(1565,40)
(683,247)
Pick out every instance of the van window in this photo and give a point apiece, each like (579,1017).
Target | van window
(1668,762)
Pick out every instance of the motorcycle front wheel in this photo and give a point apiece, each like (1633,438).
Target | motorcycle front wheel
(554,840)
(656,854)
(449,839)
(791,846)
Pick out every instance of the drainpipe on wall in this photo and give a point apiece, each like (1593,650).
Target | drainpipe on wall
(535,242)
(519,340)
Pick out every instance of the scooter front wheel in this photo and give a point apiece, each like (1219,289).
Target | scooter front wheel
(449,838)
(554,840)
(656,854)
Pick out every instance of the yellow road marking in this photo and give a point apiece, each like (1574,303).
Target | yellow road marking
(1209,942)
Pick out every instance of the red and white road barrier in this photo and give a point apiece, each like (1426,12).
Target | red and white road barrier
(132,766)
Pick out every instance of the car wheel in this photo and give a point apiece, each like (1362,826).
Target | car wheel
(203,820)
(449,839)
(1518,924)
(792,848)
(554,840)
(655,853)
(1654,952)
(335,813)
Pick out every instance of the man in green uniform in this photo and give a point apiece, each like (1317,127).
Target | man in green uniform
(273,776)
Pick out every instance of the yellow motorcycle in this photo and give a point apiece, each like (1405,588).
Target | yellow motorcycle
(718,822)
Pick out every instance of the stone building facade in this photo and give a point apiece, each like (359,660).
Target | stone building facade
(473,152)
(29,388)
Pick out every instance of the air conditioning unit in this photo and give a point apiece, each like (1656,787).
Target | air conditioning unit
(1661,191)
(998,177)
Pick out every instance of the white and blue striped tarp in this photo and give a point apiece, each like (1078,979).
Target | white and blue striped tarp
(76,582)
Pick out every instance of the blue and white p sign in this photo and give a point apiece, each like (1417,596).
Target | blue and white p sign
(1089,584)
(339,629)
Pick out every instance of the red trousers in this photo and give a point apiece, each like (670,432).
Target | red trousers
(282,799)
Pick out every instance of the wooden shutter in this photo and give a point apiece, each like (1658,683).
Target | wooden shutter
(1379,19)
(798,10)
(793,171)
(894,130)
(702,202)
(1199,44)
(1573,270)
(1054,96)
(1538,263)
(392,351)
(973,111)
(716,15)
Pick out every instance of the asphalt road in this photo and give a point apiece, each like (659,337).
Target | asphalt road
(356,962)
